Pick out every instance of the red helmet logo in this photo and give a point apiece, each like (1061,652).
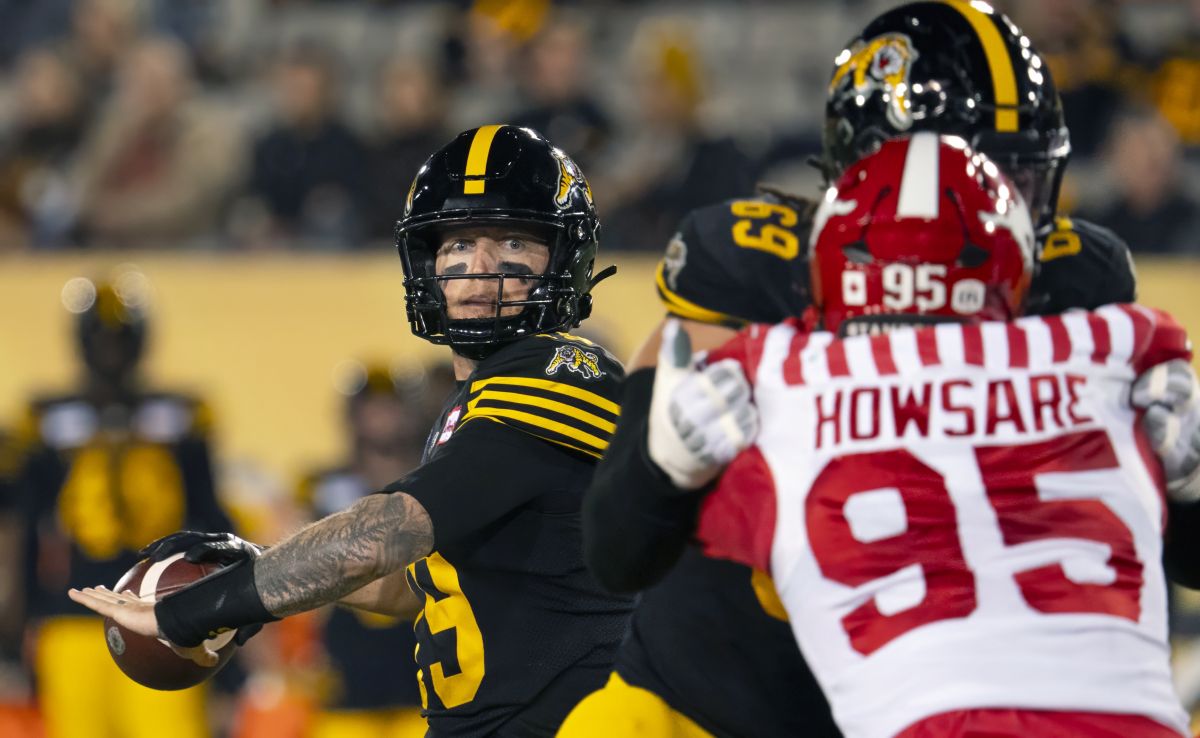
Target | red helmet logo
(923,227)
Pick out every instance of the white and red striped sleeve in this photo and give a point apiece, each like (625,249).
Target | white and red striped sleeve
(737,519)
(1157,337)
(745,348)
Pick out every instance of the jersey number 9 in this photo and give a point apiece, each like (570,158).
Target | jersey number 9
(771,237)
(448,618)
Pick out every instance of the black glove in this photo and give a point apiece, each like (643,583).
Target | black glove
(224,549)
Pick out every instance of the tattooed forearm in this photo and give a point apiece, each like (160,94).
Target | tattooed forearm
(336,555)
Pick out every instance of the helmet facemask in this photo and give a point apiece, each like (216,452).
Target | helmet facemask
(552,301)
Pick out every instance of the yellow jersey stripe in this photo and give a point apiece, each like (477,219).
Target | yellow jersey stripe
(569,337)
(545,384)
(556,442)
(542,422)
(1004,80)
(683,308)
(535,401)
(477,158)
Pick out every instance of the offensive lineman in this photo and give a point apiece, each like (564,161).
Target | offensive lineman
(497,241)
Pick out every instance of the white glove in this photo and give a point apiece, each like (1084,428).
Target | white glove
(1170,396)
(700,418)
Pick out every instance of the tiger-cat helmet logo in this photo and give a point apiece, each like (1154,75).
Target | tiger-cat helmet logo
(575,359)
(880,64)
(568,176)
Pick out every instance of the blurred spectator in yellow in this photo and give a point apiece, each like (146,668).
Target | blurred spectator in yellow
(161,164)
(1152,207)
(308,170)
(106,469)
(1089,59)
(556,84)
(386,427)
(102,31)
(1177,81)
(411,122)
(667,165)
(36,207)
(480,55)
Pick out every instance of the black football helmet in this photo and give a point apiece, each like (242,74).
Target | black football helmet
(111,325)
(952,67)
(500,174)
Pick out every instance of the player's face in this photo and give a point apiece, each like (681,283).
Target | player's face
(488,250)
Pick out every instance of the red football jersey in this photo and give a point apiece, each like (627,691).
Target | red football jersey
(960,517)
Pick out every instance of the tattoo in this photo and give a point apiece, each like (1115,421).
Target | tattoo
(336,555)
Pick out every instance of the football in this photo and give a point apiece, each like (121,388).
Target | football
(150,661)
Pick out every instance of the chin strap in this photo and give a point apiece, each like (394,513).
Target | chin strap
(604,274)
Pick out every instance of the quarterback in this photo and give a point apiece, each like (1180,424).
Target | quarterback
(498,242)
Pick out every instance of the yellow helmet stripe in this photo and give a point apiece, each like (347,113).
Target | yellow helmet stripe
(477,159)
(1004,81)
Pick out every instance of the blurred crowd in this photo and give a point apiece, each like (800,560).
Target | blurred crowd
(298,124)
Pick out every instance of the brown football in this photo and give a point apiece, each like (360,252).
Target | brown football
(149,661)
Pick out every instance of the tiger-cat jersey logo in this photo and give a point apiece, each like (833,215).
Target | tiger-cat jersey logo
(568,176)
(880,64)
(575,359)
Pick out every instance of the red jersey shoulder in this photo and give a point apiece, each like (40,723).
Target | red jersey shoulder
(737,518)
(1158,337)
(746,348)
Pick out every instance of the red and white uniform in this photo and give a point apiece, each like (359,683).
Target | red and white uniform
(962,519)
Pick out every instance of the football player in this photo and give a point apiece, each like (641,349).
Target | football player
(962,511)
(708,649)
(497,241)
(104,470)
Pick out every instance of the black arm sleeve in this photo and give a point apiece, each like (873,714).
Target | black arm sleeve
(484,472)
(1181,544)
(636,524)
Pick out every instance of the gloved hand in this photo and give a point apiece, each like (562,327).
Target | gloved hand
(1169,395)
(224,549)
(700,418)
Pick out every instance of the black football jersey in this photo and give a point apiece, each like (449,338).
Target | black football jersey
(514,630)
(354,640)
(95,484)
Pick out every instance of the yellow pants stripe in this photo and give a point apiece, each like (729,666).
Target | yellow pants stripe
(619,710)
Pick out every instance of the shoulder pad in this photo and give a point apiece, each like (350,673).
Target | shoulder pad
(166,417)
(60,422)
(738,261)
(1081,265)
(558,387)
